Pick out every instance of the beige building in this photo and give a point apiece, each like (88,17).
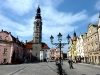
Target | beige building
(98,52)
(85,46)
(92,43)
(57,56)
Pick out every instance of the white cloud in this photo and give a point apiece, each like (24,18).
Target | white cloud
(16,28)
(97,6)
(53,20)
(18,6)
(94,18)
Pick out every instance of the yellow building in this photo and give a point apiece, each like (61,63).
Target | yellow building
(73,46)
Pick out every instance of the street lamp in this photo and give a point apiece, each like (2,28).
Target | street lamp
(60,45)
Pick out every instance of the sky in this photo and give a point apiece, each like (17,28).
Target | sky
(64,16)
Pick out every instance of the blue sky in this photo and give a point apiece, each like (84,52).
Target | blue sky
(17,17)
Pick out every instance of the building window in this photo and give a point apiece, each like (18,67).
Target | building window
(91,38)
(96,45)
(4,60)
(99,57)
(36,47)
(0,37)
(95,36)
(5,51)
(45,55)
(92,47)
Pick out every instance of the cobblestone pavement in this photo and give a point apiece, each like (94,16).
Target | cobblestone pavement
(49,68)
(28,69)
(81,69)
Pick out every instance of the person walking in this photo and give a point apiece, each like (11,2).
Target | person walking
(71,64)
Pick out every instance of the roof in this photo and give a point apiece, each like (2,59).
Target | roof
(15,40)
(30,43)
(74,38)
(45,46)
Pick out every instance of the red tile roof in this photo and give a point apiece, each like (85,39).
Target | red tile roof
(30,43)
(45,46)
(75,38)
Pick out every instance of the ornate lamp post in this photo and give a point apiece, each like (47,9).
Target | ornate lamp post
(60,45)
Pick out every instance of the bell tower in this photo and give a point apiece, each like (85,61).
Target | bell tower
(38,27)
(37,35)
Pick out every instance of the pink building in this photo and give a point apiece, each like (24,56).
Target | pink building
(11,49)
(52,53)
(55,54)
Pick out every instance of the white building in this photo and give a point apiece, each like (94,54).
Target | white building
(45,53)
(79,47)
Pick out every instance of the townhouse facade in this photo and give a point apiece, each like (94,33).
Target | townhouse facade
(89,46)
(79,48)
(55,54)
(73,47)
(11,49)
(92,43)
(85,47)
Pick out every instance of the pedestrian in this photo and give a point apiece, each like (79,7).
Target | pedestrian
(56,62)
(71,64)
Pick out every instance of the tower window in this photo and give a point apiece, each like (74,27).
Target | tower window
(37,23)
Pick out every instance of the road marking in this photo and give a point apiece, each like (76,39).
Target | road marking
(18,70)
(50,67)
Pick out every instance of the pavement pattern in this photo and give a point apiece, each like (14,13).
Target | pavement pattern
(49,68)
(27,69)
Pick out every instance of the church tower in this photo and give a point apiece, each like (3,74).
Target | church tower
(99,27)
(37,35)
(74,36)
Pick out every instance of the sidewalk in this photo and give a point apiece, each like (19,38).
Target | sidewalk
(90,65)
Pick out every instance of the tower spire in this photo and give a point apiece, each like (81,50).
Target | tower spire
(74,33)
(38,14)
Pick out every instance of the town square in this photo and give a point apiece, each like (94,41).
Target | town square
(50,37)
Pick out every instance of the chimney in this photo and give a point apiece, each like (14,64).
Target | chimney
(2,30)
(9,32)
(26,41)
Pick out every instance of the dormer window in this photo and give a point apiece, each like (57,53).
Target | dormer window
(0,37)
